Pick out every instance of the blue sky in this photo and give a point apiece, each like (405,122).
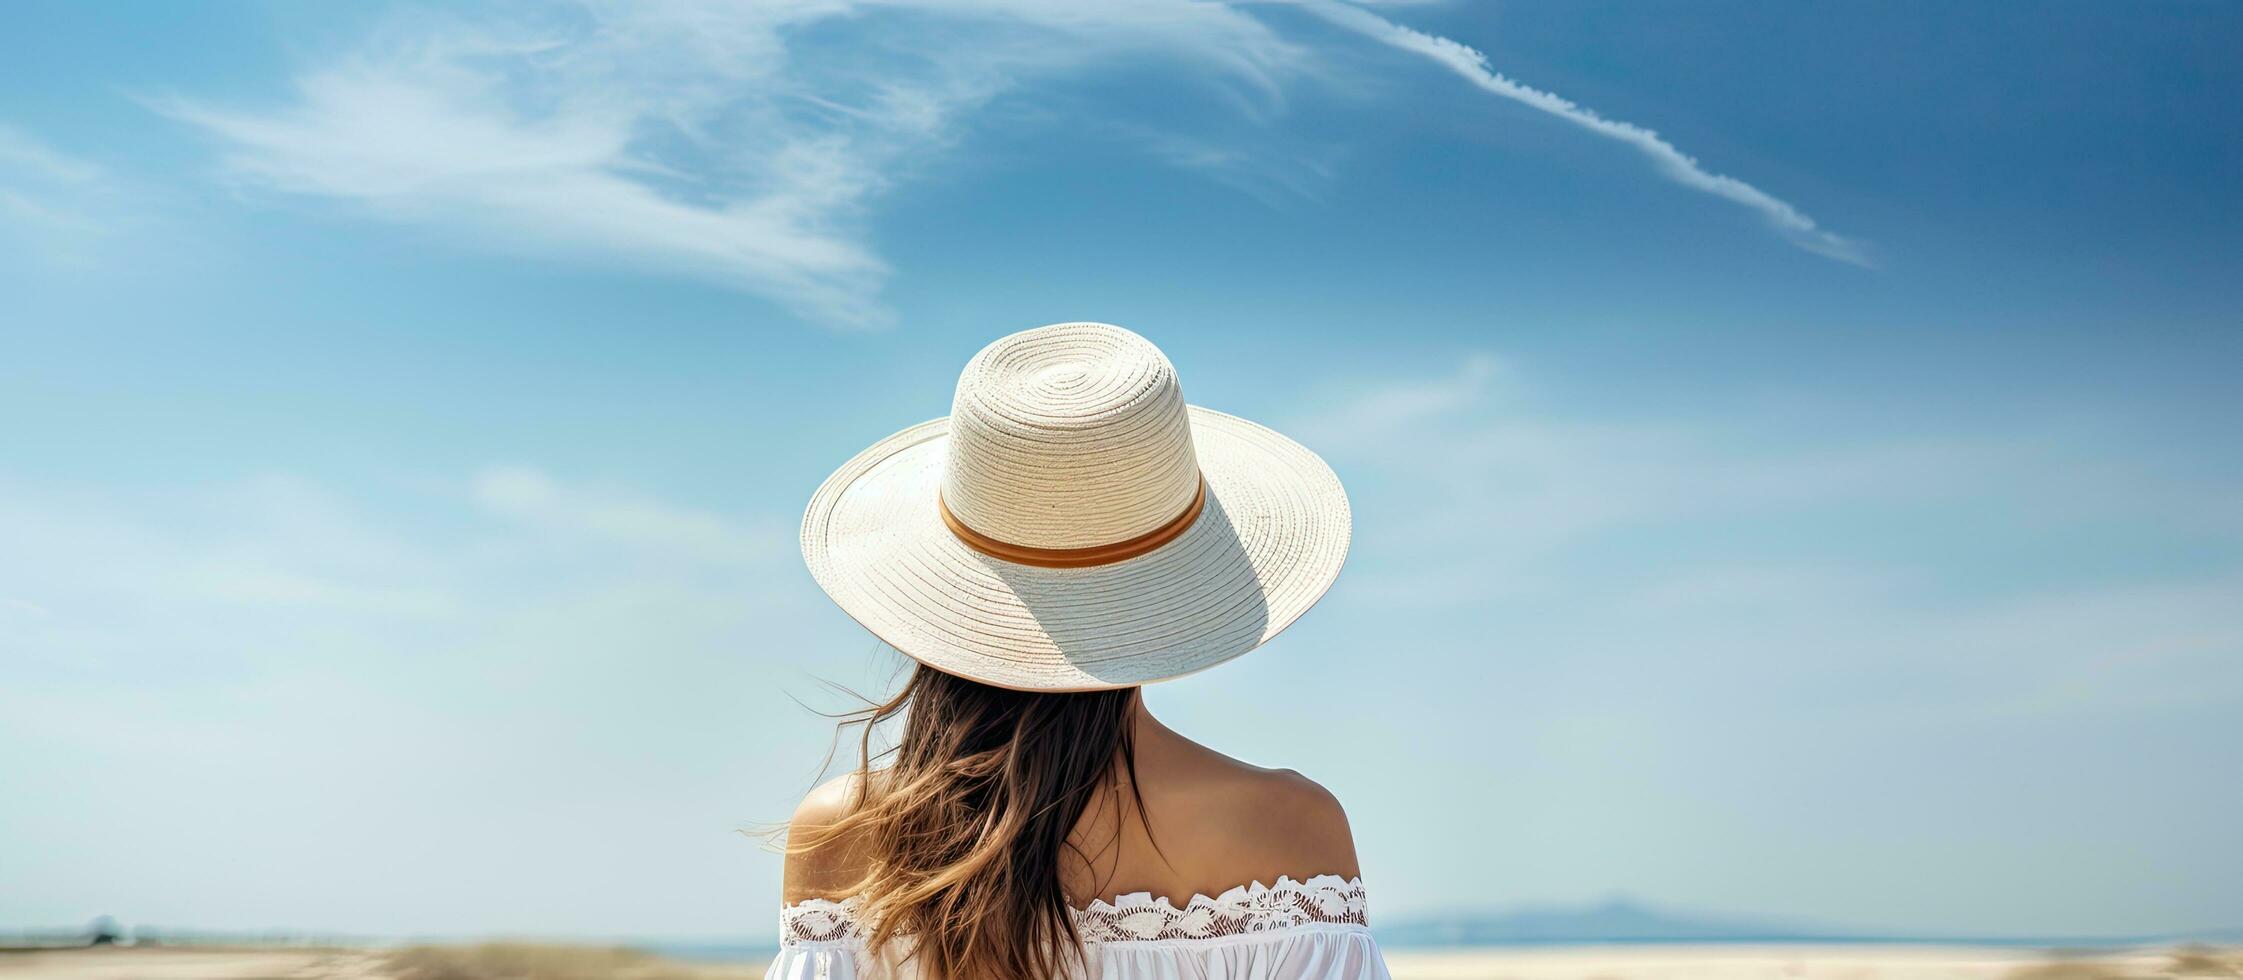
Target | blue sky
(1792,446)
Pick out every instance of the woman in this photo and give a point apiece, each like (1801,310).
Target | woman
(1072,531)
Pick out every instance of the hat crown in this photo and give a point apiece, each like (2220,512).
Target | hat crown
(1073,435)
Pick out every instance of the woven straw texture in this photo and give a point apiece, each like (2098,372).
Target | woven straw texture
(1071,436)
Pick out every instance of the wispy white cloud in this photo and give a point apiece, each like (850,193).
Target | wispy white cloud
(339,661)
(529,495)
(685,137)
(1378,414)
(436,135)
(1676,165)
(735,144)
(114,575)
(47,194)
(1716,537)
(1279,166)
(20,152)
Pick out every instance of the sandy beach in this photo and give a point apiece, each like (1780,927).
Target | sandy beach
(117,963)
(1663,962)
(459,963)
(1747,962)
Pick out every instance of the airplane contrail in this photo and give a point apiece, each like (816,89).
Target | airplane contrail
(1794,225)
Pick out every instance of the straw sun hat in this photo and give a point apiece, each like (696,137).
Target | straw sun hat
(1072,525)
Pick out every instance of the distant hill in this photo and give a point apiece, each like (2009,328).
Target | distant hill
(1622,920)
(1616,920)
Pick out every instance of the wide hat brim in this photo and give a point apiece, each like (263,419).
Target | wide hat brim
(1270,541)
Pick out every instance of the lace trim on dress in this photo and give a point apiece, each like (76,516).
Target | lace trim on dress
(1327,899)
(819,920)
(1139,917)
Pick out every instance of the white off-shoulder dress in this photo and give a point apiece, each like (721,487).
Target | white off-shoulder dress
(1317,929)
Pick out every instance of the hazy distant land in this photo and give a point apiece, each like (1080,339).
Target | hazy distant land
(1644,961)
(485,961)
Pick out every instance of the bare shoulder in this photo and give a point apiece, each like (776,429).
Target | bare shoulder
(1219,822)
(1302,825)
(832,868)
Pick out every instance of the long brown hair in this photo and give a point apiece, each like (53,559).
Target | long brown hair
(965,833)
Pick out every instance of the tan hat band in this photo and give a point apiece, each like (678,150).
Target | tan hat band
(1104,554)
